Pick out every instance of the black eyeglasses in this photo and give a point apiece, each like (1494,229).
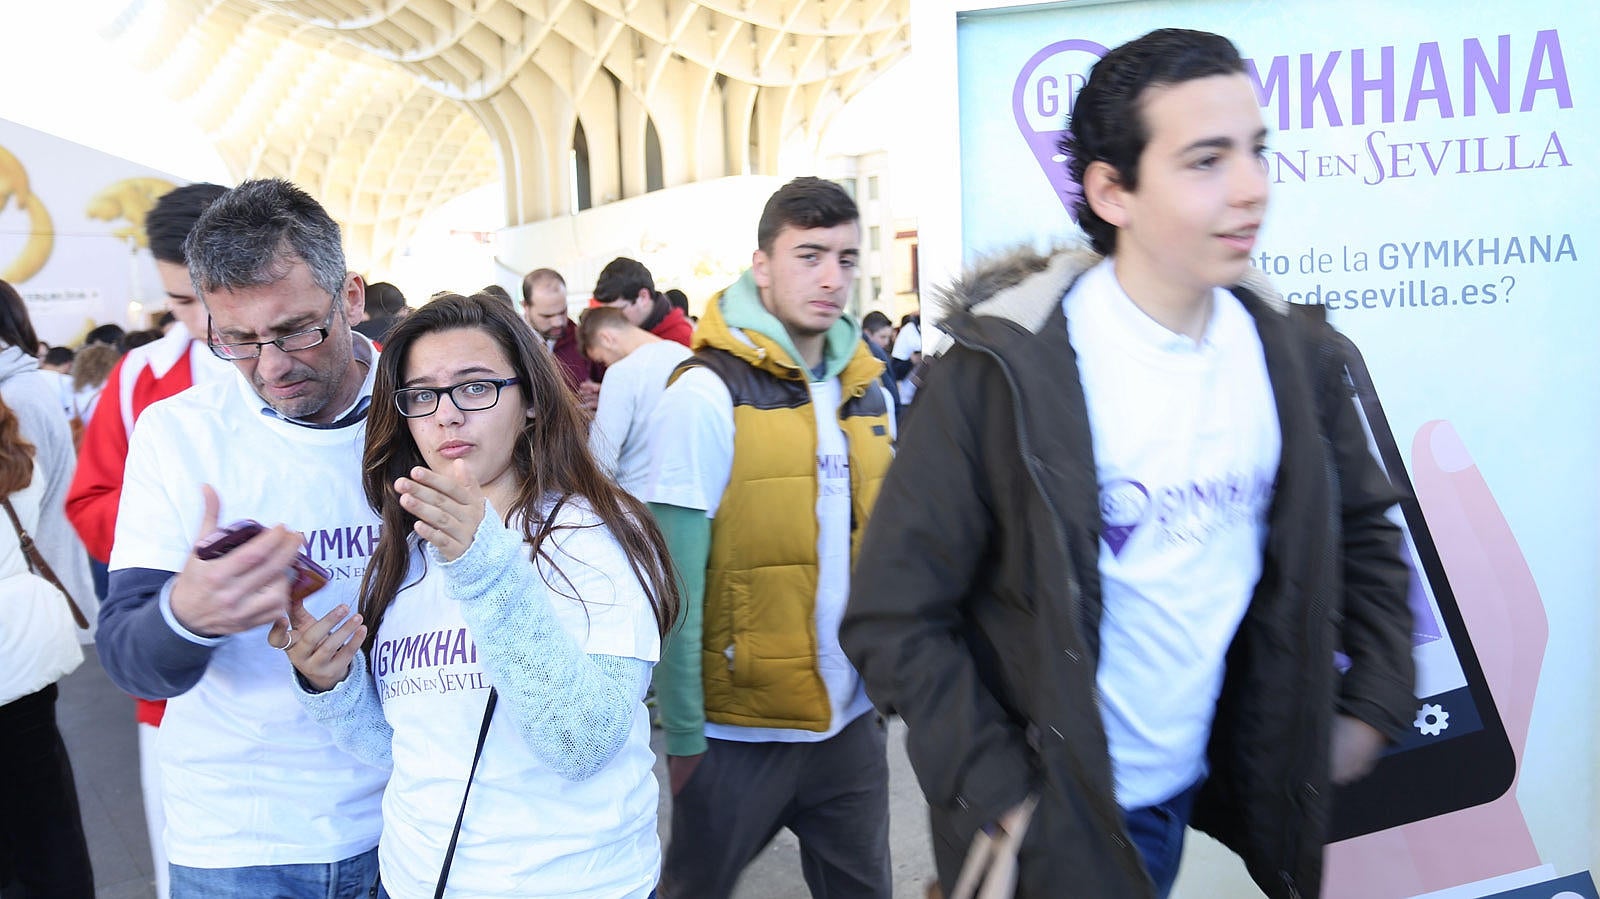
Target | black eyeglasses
(288,343)
(469,396)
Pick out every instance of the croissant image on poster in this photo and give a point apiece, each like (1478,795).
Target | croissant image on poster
(40,241)
(128,200)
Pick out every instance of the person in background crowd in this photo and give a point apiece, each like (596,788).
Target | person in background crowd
(499,293)
(1160,521)
(627,285)
(878,332)
(876,327)
(110,335)
(386,305)
(135,339)
(42,846)
(259,800)
(56,366)
(637,366)
(499,528)
(906,355)
(678,299)
(544,308)
(165,321)
(43,851)
(57,359)
(769,447)
(90,369)
(144,375)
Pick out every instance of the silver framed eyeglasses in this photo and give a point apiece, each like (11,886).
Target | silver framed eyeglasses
(469,396)
(288,343)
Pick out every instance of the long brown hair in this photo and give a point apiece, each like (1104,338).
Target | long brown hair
(16,453)
(551,458)
(92,366)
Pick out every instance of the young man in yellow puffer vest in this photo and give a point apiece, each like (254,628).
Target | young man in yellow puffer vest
(771,443)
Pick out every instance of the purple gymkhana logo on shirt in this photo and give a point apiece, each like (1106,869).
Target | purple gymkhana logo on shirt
(1183,513)
(1123,503)
(343,550)
(1041,101)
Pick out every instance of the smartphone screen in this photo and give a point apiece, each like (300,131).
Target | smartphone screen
(1455,753)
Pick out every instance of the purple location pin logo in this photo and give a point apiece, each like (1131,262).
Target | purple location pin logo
(1123,503)
(1041,102)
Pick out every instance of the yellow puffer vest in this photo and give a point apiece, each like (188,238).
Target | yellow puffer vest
(759,649)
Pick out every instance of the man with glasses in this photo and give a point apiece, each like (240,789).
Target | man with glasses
(259,800)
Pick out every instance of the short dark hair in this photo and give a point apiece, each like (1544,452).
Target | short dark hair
(252,235)
(540,276)
(806,202)
(596,319)
(384,299)
(168,223)
(16,325)
(110,335)
(622,279)
(495,290)
(140,338)
(677,298)
(875,320)
(1107,121)
(58,355)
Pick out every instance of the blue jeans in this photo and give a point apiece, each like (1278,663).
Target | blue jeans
(384,894)
(1157,831)
(350,878)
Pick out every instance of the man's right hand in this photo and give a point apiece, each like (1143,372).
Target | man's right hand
(244,589)
(680,768)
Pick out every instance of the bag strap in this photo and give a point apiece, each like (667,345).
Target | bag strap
(450,853)
(39,566)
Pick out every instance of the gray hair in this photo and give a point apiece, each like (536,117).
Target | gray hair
(253,234)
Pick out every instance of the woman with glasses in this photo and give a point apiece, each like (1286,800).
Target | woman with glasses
(509,619)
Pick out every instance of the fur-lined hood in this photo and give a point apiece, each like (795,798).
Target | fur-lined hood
(1024,286)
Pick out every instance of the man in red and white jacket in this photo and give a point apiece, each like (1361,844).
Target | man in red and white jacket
(152,372)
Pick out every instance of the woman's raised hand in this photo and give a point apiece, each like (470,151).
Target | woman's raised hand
(448,506)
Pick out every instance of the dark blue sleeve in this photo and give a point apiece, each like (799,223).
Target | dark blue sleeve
(141,652)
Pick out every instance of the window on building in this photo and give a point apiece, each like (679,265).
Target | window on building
(653,179)
(874,238)
(578,171)
(872,187)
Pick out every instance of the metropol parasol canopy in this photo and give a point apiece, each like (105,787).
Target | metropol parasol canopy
(386,109)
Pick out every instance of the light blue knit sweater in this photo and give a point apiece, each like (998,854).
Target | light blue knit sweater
(574,711)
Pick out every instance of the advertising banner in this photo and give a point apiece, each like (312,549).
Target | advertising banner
(72,233)
(1433,173)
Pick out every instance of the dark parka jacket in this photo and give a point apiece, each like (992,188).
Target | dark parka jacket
(976,612)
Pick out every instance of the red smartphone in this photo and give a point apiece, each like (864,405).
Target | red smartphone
(309,577)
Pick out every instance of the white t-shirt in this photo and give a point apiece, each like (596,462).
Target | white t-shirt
(247,777)
(692,430)
(64,393)
(620,434)
(1186,445)
(907,342)
(527,831)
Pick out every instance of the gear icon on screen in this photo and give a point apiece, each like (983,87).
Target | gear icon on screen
(1431,720)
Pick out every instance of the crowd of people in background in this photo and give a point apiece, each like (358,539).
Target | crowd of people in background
(392,581)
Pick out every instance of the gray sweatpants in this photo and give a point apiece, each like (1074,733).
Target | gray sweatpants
(834,796)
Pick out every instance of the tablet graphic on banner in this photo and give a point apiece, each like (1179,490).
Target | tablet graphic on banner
(1432,165)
